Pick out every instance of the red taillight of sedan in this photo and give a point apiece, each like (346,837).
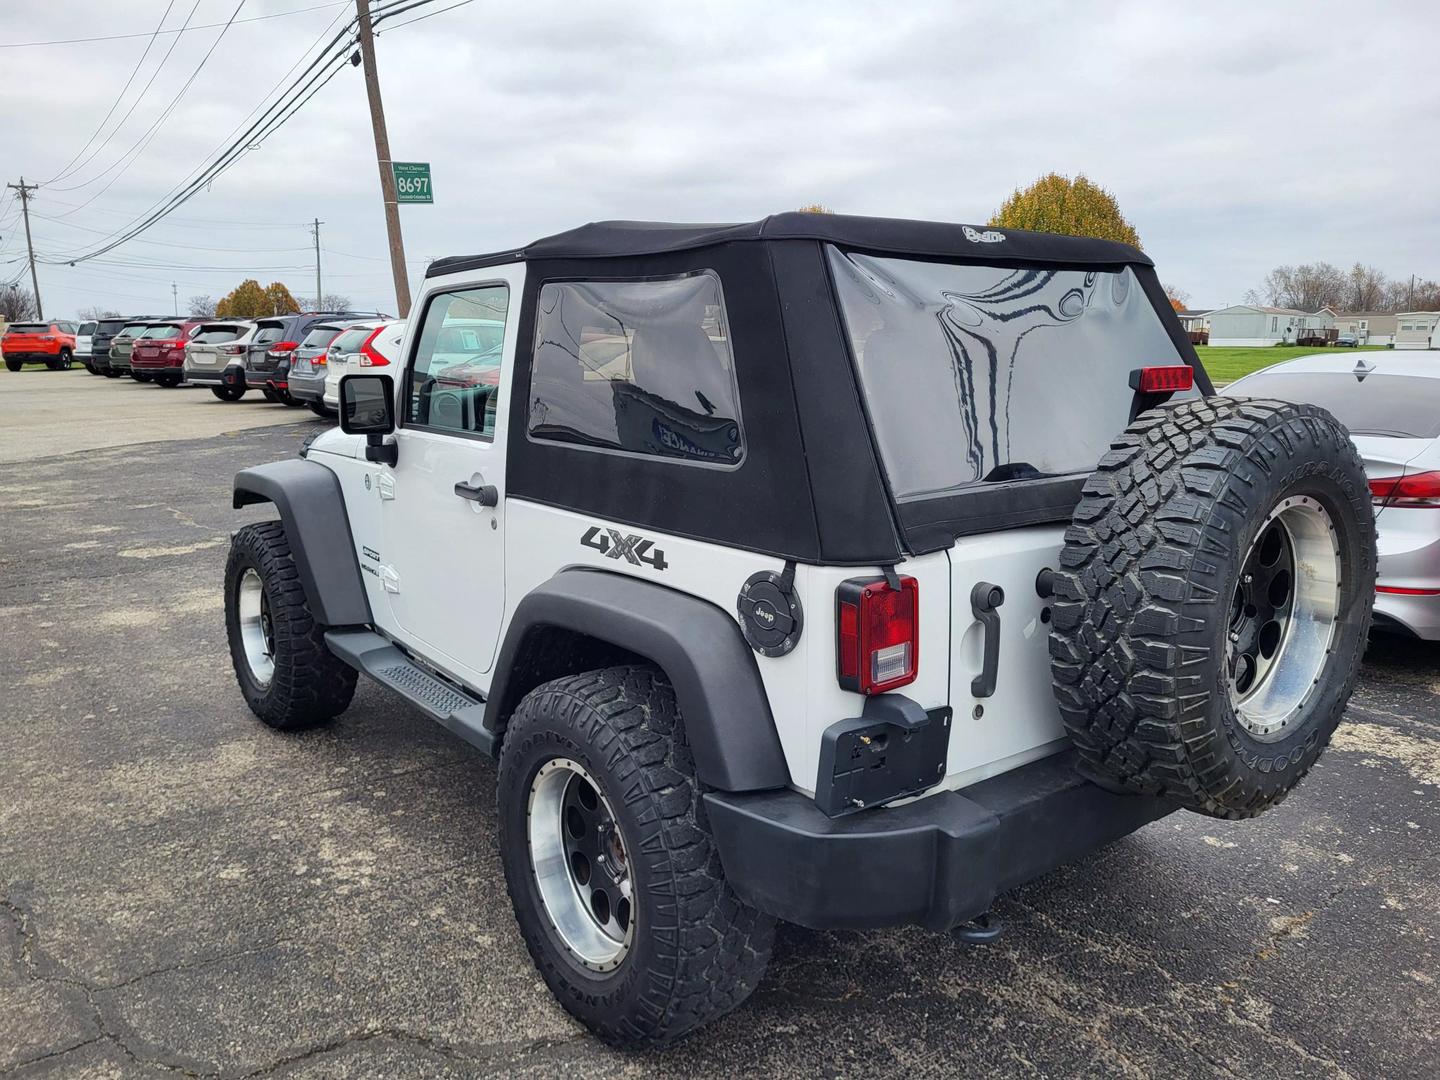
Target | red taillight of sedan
(1419,490)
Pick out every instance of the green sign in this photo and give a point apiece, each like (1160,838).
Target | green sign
(412,182)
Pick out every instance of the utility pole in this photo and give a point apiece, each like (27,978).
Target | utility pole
(24,189)
(382,159)
(175,297)
(319,303)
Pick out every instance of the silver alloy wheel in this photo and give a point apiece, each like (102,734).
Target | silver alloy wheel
(581,866)
(257,632)
(1283,616)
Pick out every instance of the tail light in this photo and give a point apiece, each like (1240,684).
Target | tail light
(47,337)
(232,350)
(1165,380)
(1420,490)
(368,356)
(877,634)
(281,348)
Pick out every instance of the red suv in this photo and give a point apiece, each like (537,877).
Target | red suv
(160,351)
(51,344)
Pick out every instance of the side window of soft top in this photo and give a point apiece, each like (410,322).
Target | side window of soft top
(638,367)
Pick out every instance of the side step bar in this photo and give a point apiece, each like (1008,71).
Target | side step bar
(459,710)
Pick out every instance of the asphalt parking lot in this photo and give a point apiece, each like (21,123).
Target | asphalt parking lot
(185,891)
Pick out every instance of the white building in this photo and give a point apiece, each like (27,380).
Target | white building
(1250,324)
(1417,330)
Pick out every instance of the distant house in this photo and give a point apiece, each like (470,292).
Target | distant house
(1368,327)
(1251,324)
(1417,329)
(1195,318)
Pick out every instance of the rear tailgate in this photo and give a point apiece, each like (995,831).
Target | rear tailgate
(27,341)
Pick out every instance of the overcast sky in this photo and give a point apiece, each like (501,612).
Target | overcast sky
(1235,136)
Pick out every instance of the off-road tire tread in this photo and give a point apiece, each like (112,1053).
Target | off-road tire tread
(1155,522)
(310,685)
(715,953)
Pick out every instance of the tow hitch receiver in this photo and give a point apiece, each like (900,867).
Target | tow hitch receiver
(981,930)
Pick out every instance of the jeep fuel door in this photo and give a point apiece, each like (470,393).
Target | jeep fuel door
(443,565)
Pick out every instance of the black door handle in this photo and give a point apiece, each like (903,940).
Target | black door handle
(984,599)
(484,494)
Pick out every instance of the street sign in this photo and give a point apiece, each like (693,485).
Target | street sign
(412,182)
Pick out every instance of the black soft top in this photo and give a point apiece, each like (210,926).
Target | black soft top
(897,236)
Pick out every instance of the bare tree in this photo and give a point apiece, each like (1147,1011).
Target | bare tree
(1365,289)
(328,302)
(95,314)
(1412,294)
(201,305)
(16,304)
(1308,287)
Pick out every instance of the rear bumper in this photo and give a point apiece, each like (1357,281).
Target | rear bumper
(307,387)
(935,862)
(259,379)
(32,357)
(119,363)
(157,365)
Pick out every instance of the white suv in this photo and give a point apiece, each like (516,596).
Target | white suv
(846,571)
(361,346)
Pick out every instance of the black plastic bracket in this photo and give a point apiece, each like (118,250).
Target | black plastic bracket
(981,930)
(984,600)
(379,449)
(893,749)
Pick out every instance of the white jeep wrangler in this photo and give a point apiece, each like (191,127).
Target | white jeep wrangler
(846,571)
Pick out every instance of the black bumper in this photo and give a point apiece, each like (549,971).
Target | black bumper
(936,862)
(307,387)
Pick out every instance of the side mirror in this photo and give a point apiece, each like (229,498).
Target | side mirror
(367,407)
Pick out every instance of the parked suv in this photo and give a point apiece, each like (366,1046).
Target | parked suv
(123,344)
(267,359)
(49,343)
(84,336)
(215,357)
(362,346)
(159,353)
(100,339)
(309,364)
(844,571)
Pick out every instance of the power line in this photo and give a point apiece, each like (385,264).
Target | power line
(133,105)
(146,139)
(421,18)
(118,97)
(203,26)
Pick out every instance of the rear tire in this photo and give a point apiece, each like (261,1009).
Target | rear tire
(271,395)
(688,951)
(169,382)
(227,393)
(322,411)
(1213,601)
(139,376)
(13,365)
(288,676)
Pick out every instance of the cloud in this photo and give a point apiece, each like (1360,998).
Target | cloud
(1236,136)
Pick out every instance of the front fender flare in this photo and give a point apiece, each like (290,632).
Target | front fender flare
(312,509)
(699,647)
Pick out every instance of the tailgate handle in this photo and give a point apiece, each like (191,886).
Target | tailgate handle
(984,599)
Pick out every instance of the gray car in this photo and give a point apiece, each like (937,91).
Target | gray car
(122,345)
(1391,404)
(308,365)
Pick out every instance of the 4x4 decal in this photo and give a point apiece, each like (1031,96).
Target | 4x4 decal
(616,545)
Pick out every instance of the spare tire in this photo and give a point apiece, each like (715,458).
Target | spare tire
(1213,602)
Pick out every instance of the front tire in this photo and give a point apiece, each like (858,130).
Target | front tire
(288,676)
(615,881)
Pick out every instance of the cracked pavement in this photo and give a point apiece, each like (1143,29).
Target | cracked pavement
(184,891)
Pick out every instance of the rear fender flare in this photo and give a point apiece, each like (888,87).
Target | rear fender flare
(699,647)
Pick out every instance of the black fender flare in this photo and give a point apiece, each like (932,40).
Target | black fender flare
(699,647)
(312,509)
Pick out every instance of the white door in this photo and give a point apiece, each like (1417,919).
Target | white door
(443,502)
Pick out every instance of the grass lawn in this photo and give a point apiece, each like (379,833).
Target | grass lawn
(1227,363)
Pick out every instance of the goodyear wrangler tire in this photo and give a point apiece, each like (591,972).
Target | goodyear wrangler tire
(1213,602)
(616,884)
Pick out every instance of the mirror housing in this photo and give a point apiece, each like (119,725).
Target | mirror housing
(367,407)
